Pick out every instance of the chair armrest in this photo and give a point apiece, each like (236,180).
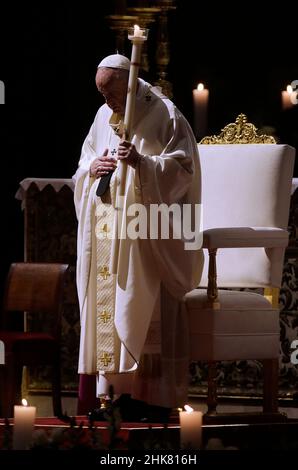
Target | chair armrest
(245,237)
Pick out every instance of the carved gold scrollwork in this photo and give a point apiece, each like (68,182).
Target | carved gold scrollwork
(240,132)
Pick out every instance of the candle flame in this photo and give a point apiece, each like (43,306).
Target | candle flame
(188,408)
(289,89)
(24,402)
(200,87)
(136,29)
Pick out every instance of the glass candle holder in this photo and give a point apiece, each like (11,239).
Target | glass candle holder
(135,33)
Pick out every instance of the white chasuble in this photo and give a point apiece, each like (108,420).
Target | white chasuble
(120,279)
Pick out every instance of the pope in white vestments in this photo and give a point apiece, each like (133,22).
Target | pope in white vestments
(131,285)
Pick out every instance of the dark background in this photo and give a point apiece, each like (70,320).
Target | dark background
(48,56)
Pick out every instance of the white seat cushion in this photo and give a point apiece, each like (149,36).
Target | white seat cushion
(232,237)
(245,327)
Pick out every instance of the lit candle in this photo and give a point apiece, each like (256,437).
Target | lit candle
(137,31)
(138,34)
(200,101)
(24,417)
(286,98)
(190,428)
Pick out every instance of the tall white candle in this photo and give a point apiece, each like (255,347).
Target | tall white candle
(190,428)
(137,37)
(200,103)
(24,418)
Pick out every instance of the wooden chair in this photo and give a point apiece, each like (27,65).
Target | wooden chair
(34,288)
(246,185)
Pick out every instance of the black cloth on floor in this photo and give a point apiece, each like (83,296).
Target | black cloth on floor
(132,410)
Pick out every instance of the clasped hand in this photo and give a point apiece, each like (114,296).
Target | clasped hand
(103,165)
(128,152)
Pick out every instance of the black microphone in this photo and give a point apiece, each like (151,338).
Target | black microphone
(103,184)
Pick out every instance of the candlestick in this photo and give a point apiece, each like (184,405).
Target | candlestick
(137,37)
(200,101)
(24,417)
(190,428)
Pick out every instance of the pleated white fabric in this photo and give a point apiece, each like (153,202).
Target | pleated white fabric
(169,172)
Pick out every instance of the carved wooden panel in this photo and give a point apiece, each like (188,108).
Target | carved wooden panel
(50,236)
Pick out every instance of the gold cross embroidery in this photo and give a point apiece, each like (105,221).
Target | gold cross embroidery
(105,359)
(104,230)
(105,316)
(104,272)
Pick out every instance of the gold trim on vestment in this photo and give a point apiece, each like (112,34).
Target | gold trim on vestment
(106,285)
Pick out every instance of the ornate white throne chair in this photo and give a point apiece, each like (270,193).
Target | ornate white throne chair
(246,185)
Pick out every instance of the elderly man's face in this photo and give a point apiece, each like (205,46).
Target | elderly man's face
(112,84)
